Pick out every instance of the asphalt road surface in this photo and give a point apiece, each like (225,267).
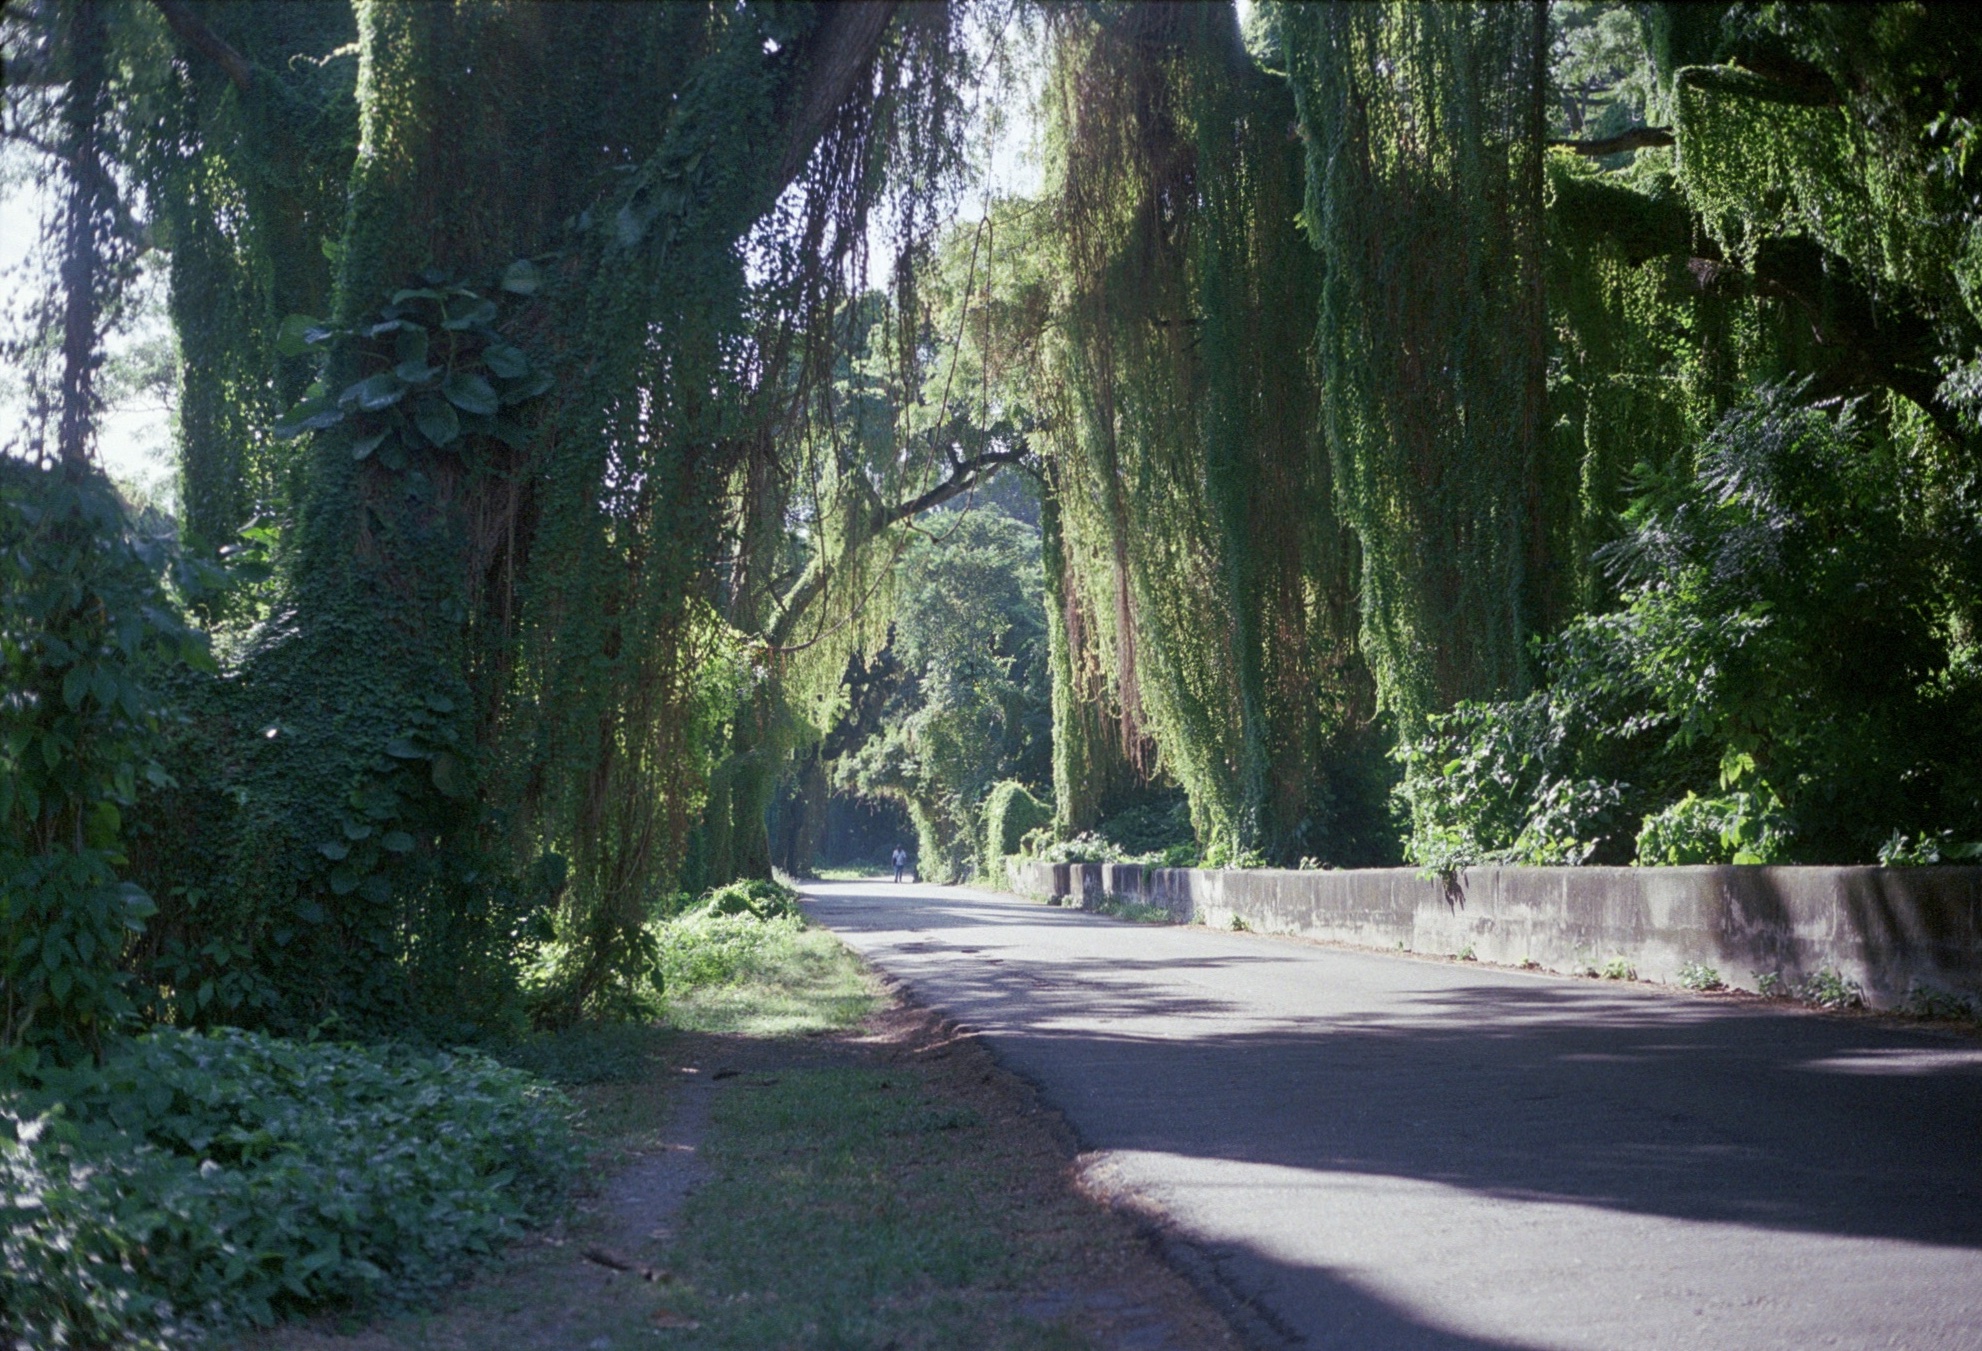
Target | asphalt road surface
(1373,1151)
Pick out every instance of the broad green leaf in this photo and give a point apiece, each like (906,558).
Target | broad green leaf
(629,226)
(505,361)
(451,776)
(312,415)
(522,278)
(411,344)
(470,393)
(436,420)
(415,372)
(478,315)
(397,841)
(537,384)
(375,392)
(334,850)
(292,339)
(365,445)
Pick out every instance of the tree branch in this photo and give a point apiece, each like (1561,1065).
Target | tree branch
(840,54)
(207,42)
(1638,138)
(966,474)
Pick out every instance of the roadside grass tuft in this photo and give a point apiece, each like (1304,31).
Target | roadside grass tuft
(1700,976)
(1828,988)
(1135,912)
(761,978)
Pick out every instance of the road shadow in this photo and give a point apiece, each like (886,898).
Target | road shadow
(1505,1085)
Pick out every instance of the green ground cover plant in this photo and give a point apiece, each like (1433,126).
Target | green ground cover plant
(1700,976)
(195,1183)
(863,1192)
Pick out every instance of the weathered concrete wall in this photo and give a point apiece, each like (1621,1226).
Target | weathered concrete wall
(1886,928)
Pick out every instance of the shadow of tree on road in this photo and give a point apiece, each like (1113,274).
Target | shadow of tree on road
(1503,1084)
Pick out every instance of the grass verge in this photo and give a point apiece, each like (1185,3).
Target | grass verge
(864,1177)
(1136,912)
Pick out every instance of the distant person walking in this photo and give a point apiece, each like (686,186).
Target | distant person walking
(901,862)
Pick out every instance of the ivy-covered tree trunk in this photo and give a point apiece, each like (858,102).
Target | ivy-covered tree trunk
(495,651)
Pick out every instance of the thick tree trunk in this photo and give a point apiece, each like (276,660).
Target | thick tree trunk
(86,215)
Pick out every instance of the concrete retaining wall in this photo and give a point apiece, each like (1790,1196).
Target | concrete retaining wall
(1889,929)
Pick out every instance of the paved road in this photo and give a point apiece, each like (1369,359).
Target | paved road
(1380,1152)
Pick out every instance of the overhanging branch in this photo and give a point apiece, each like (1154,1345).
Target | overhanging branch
(208,43)
(840,54)
(1638,138)
(964,475)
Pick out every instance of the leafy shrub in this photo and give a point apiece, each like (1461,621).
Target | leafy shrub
(1727,710)
(755,896)
(86,628)
(1739,827)
(1151,828)
(1927,1001)
(1699,976)
(1827,988)
(1086,847)
(1913,851)
(1618,968)
(710,948)
(203,1181)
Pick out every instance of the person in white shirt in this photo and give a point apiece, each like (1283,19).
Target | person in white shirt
(901,862)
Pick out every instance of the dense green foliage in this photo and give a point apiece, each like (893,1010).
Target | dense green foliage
(1204,592)
(194,1183)
(1010,814)
(89,634)
(590,502)
(1775,687)
(1581,401)
(1528,363)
